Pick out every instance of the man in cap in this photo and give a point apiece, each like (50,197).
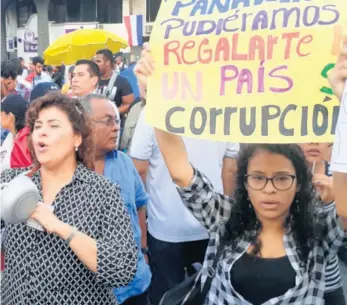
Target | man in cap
(42,89)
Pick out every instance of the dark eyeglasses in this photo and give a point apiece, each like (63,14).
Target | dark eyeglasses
(109,122)
(279,182)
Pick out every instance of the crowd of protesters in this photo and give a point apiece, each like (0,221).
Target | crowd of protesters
(128,212)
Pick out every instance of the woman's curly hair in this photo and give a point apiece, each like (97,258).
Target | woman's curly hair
(78,118)
(302,219)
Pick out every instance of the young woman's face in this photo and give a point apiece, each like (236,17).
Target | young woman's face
(53,137)
(314,152)
(271,200)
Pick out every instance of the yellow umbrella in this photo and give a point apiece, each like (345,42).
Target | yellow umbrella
(81,44)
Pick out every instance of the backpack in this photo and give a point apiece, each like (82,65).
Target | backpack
(130,124)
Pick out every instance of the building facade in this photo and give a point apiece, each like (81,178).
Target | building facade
(30,26)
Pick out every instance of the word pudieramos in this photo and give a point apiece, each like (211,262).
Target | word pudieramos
(278,18)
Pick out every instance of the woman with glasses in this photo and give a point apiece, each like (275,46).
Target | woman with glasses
(277,237)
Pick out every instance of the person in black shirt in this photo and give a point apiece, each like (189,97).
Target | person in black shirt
(58,75)
(122,91)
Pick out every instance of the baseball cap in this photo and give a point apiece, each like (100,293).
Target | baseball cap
(42,89)
(15,104)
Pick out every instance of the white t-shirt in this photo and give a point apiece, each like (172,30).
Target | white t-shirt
(168,219)
(22,81)
(42,78)
(5,152)
(118,117)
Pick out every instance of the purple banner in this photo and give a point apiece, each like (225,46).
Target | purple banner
(69,30)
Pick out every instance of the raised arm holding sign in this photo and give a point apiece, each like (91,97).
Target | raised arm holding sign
(338,80)
(171,145)
(273,203)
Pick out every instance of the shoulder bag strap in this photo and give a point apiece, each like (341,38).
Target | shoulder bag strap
(110,86)
(212,271)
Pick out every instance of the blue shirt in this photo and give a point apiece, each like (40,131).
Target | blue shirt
(120,169)
(129,74)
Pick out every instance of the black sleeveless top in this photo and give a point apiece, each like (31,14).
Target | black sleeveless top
(258,279)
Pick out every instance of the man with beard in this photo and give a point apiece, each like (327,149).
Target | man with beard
(38,75)
(120,91)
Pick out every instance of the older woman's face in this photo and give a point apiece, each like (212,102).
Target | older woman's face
(53,138)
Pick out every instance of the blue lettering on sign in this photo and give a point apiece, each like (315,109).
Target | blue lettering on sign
(208,7)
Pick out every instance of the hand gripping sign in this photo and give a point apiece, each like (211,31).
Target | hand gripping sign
(339,154)
(249,71)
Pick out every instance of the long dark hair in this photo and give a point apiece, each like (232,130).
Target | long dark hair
(77,116)
(302,219)
(19,123)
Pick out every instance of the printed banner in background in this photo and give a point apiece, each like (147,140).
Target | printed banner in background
(30,42)
(10,44)
(246,71)
(30,46)
(67,31)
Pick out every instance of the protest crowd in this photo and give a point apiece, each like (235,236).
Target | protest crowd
(131,214)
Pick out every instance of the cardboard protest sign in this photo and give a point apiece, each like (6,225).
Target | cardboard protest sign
(246,71)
